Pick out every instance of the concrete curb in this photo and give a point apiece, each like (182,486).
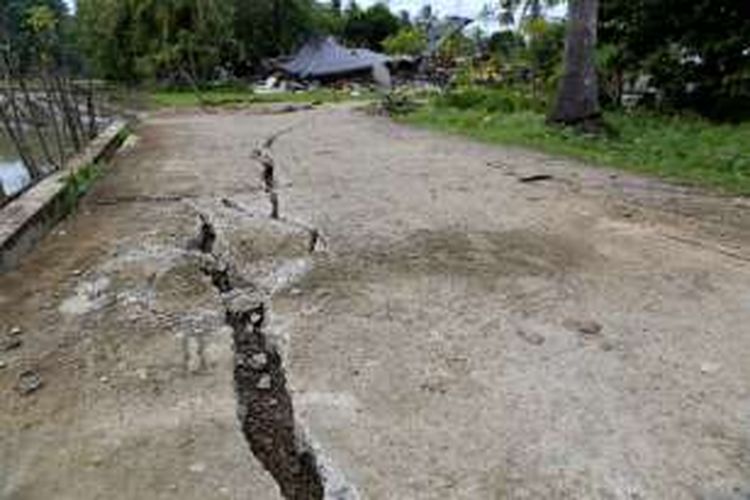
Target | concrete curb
(25,220)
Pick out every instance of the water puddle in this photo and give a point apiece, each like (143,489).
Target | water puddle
(14,177)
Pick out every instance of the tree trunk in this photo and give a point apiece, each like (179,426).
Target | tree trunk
(578,94)
(49,92)
(36,121)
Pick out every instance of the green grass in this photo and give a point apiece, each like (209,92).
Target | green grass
(222,97)
(78,183)
(678,148)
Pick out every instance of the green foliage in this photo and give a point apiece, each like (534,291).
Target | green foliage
(223,97)
(696,52)
(463,99)
(133,40)
(506,44)
(610,76)
(499,100)
(136,40)
(697,55)
(399,104)
(42,24)
(269,28)
(78,183)
(371,27)
(528,10)
(546,40)
(680,148)
(41,19)
(15,14)
(30,27)
(530,58)
(408,41)
(457,46)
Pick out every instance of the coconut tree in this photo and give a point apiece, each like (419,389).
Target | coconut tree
(577,101)
(522,10)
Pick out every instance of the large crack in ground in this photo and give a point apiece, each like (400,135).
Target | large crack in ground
(265,406)
(264,156)
(264,401)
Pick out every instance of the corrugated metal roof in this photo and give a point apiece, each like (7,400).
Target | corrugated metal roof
(324,57)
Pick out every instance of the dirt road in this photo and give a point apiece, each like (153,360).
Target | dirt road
(447,319)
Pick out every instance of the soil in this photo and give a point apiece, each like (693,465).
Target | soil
(446,330)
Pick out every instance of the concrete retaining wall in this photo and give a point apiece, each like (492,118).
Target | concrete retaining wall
(25,220)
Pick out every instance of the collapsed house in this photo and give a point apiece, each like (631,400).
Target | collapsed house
(326,59)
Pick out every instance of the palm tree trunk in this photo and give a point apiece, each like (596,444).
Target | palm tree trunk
(577,100)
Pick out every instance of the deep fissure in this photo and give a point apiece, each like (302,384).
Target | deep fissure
(264,156)
(264,404)
(268,177)
(265,408)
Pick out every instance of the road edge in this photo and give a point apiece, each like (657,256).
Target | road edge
(28,218)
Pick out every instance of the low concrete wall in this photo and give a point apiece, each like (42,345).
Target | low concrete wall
(25,220)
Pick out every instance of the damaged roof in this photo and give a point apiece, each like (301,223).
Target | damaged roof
(325,57)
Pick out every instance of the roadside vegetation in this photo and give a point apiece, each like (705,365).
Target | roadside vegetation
(617,83)
(670,94)
(681,147)
(199,41)
(228,97)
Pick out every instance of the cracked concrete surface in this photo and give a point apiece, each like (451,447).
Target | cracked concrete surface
(265,405)
(432,344)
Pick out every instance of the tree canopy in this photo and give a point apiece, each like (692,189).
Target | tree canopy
(698,55)
(133,40)
(409,41)
(20,23)
(371,27)
(15,14)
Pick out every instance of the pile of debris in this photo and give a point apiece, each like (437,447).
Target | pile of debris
(325,59)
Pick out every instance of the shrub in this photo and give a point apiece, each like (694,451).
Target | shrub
(395,104)
(462,99)
(408,41)
(499,100)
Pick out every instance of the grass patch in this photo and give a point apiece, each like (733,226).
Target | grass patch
(78,183)
(678,148)
(223,97)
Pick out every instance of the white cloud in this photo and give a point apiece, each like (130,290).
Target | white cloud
(468,8)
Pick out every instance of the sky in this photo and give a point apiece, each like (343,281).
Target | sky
(464,8)
(468,8)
